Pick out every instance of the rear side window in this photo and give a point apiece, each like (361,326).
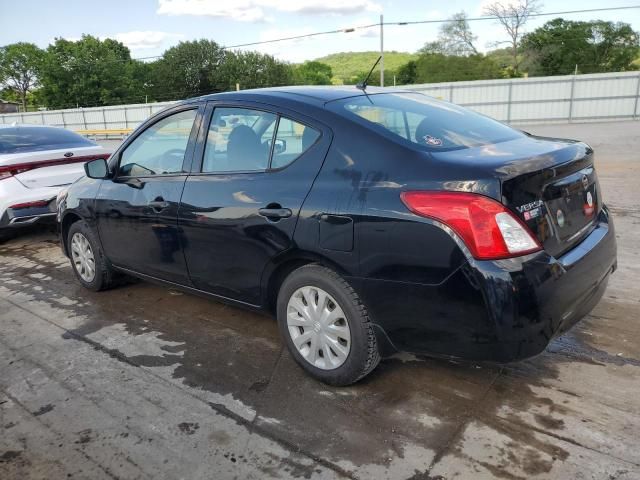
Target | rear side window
(292,140)
(161,148)
(423,121)
(242,140)
(238,140)
(35,139)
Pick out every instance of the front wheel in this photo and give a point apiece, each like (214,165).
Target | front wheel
(89,264)
(326,326)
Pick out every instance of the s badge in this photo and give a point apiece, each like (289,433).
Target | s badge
(588,208)
(434,141)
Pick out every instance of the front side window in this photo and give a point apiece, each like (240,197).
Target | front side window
(161,148)
(423,121)
(239,139)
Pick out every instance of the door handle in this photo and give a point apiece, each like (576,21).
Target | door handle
(275,213)
(158,205)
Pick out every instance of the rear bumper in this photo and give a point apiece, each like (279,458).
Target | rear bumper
(12,192)
(496,310)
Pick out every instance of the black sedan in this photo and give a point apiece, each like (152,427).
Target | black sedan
(367,221)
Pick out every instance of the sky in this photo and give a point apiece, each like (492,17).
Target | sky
(148,27)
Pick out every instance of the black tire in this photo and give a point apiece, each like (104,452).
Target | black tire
(363,355)
(5,236)
(104,277)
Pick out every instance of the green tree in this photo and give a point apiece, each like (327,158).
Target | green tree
(435,67)
(312,73)
(407,73)
(596,46)
(19,66)
(88,72)
(189,69)
(255,70)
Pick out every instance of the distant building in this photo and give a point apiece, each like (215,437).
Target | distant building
(9,107)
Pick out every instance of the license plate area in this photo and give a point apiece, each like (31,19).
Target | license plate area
(572,203)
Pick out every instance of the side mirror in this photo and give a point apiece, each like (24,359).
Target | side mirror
(280,146)
(97,168)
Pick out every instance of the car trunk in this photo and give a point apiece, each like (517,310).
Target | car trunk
(54,176)
(52,168)
(550,184)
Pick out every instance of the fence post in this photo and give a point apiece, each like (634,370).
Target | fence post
(635,105)
(573,84)
(126,121)
(64,124)
(84,119)
(509,102)
(104,118)
(451,93)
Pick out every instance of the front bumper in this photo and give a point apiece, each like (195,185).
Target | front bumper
(496,310)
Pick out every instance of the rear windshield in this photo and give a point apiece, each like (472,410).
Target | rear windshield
(424,121)
(34,139)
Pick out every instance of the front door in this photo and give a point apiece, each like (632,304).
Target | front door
(239,210)
(137,211)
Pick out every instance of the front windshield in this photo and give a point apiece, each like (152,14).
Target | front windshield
(424,121)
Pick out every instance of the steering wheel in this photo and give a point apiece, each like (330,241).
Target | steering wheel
(167,159)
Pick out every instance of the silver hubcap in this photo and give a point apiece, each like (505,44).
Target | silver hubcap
(82,257)
(318,328)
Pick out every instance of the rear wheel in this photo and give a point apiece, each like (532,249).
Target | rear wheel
(91,267)
(325,326)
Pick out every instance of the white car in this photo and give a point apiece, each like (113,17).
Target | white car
(36,163)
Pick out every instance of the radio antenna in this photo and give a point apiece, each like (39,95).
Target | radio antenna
(363,84)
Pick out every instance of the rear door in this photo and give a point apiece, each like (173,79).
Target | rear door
(254,166)
(137,211)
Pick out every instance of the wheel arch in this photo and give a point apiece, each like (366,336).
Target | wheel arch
(69,219)
(276,273)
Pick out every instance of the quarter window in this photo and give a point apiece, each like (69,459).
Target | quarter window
(161,148)
(239,139)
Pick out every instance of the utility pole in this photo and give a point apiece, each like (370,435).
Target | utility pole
(381,51)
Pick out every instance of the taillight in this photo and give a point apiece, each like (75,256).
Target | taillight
(36,204)
(487,228)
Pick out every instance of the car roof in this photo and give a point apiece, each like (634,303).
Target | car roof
(305,94)
(26,125)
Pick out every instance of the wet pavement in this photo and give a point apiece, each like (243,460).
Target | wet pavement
(146,382)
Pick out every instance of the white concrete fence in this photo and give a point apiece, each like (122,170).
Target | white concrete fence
(559,99)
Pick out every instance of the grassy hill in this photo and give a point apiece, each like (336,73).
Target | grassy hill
(347,66)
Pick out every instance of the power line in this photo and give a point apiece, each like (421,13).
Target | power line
(403,23)
(545,14)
